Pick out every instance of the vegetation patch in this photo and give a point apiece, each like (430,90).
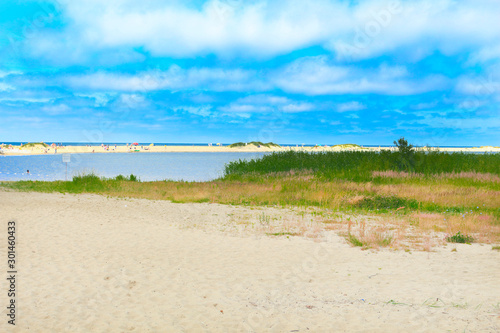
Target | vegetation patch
(254,143)
(459,238)
(387,202)
(34,145)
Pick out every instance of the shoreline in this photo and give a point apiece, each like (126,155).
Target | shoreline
(18,151)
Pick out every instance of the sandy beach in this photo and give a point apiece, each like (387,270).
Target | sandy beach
(17,150)
(91,263)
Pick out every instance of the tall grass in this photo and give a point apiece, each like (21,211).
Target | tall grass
(360,165)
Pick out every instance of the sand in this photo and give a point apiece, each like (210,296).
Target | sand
(91,263)
(17,150)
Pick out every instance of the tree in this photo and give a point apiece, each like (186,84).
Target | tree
(406,154)
(403,146)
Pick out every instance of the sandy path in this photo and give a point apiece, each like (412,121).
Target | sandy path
(87,263)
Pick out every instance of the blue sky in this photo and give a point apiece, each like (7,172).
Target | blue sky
(289,71)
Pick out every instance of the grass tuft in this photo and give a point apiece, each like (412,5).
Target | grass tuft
(459,238)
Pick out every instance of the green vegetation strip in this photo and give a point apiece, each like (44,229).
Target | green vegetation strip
(359,165)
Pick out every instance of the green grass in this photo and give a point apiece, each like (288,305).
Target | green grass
(459,238)
(347,145)
(34,144)
(359,165)
(254,143)
(282,234)
(387,203)
(354,240)
(83,183)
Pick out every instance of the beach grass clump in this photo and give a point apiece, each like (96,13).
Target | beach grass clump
(34,145)
(131,178)
(460,238)
(347,145)
(254,143)
(355,241)
(87,183)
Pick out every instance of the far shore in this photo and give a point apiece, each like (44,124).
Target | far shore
(39,150)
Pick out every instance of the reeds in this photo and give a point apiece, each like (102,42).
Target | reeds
(359,165)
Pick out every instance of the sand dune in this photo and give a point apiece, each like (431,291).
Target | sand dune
(88,263)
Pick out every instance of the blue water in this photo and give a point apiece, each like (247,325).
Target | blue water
(147,166)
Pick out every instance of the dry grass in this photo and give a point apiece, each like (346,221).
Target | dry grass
(483,177)
(335,201)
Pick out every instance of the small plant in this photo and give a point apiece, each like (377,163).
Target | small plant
(460,238)
(264,219)
(354,240)
(133,178)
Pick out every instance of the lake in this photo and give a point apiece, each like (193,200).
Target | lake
(147,166)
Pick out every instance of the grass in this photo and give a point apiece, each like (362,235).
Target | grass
(359,165)
(460,238)
(34,144)
(354,240)
(254,143)
(389,208)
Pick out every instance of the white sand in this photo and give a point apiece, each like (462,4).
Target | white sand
(87,263)
(17,150)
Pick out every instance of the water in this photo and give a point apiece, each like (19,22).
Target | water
(147,166)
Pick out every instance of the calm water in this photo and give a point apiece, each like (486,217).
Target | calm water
(148,166)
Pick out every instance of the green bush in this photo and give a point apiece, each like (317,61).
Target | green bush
(459,238)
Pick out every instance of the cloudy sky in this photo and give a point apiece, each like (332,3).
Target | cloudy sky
(288,71)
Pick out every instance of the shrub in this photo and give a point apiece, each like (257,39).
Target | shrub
(459,238)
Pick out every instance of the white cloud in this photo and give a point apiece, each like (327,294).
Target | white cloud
(56,109)
(298,107)
(10,72)
(100,99)
(265,28)
(267,103)
(5,87)
(174,78)
(315,76)
(478,86)
(204,111)
(350,106)
(485,54)
(236,107)
(462,123)
(422,106)
(26,99)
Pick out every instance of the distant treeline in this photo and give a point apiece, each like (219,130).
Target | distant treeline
(357,165)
